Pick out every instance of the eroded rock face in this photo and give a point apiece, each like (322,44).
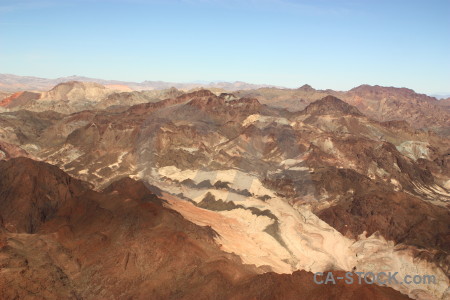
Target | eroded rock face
(123,243)
(397,216)
(284,191)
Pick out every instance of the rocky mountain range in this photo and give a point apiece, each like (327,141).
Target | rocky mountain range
(15,83)
(377,102)
(171,194)
(62,240)
(69,96)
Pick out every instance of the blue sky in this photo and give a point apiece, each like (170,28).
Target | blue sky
(336,44)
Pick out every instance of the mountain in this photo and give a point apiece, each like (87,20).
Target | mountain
(125,99)
(331,105)
(60,239)
(380,103)
(341,181)
(75,96)
(387,103)
(14,83)
(75,91)
(322,188)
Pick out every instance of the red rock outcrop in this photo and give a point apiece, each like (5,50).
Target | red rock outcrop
(19,99)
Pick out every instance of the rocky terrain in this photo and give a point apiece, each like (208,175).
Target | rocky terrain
(379,103)
(74,94)
(61,240)
(230,194)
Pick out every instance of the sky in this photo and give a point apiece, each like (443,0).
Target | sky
(336,44)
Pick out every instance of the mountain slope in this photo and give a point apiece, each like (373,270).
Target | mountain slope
(323,188)
(123,243)
(19,99)
(76,91)
(377,102)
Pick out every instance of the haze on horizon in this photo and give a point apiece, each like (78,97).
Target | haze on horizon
(327,44)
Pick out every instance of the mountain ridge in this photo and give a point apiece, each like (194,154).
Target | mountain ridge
(241,166)
(15,83)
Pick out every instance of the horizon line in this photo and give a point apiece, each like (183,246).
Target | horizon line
(200,82)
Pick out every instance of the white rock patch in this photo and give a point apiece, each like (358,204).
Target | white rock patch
(414,149)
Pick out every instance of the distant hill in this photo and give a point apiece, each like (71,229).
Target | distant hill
(377,102)
(15,83)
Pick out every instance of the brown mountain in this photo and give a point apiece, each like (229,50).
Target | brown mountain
(126,99)
(331,105)
(60,239)
(388,103)
(324,188)
(377,102)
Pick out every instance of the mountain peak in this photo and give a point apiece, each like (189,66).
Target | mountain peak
(77,84)
(206,100)
(377,89)
(200,93)
(331,105)
(306,88)
(201,98)
(75,91)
